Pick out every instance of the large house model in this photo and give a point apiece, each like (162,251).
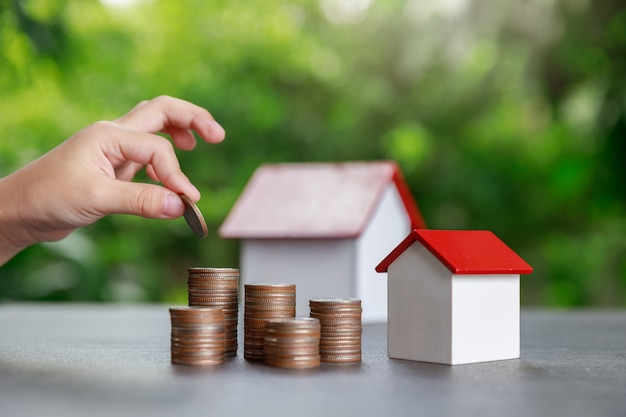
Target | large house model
(453,297)
(323,227)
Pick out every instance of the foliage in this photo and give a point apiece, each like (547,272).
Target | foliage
(508,116)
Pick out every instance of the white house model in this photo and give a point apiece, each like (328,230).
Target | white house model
(453,297)
(323,226)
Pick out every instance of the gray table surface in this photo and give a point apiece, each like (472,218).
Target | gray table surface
(113,360)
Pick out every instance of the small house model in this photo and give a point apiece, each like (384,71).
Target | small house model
(323,227)
(453,297)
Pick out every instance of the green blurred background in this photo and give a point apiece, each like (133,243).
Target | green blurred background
(504,115)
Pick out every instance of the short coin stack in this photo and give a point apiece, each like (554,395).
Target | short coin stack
(217,287)
(292,343)
(197,336)
(340,337)
(262,302)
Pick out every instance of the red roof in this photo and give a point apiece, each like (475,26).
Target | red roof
(315,200)
(464,252)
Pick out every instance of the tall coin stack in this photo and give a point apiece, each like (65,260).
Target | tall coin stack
(197,336)
(340,336)
(262,302)
(217,287)
(292,343)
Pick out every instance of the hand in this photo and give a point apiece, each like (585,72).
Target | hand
(88,176)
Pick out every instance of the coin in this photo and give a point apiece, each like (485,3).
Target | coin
(340,328)
(197,336)
(217,287)
(212,272)
(194,218)
(292,343)
(262,302)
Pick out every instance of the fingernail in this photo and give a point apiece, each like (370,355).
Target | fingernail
(173,206)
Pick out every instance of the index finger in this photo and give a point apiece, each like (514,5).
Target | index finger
(169,114)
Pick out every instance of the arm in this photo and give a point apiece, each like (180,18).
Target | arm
(88,176)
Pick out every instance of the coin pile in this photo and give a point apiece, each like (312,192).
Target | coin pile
(262,302)
(340,335)
(292,343)
(197,336)
(217,287)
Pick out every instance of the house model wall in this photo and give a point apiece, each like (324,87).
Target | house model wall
(323,227)
(453,297)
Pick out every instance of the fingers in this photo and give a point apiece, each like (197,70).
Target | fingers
(127,171)
(126,146)
(151,173)
(183,138)
(174,116)
(146,200)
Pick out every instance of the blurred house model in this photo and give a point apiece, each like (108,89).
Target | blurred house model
(453,297)
(323,227)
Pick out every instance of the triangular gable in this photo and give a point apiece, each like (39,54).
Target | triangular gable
(315,200)
(464,252)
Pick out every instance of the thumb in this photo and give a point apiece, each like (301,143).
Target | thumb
(145,200)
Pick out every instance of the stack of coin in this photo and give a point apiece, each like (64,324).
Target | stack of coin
(217,287)
(292,343)
(340,336)
(262,302)
(197,335)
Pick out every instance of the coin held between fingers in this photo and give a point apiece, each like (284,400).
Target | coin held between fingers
(194,217)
